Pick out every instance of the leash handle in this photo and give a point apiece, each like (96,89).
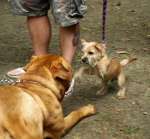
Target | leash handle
(104,14)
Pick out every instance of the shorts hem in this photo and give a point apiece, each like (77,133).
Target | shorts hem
(69,23)
(30,14)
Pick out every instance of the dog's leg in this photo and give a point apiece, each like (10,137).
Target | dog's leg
(25,125)
(19,131)
(83,70)
(4,134)
(121,84)
(103,89)
(74,117)
(78,74)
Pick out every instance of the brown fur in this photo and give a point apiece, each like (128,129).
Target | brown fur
(31,109)
(94,54)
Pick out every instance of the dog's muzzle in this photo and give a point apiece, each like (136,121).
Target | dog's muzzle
(85,60)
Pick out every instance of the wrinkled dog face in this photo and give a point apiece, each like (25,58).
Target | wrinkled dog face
(92,52)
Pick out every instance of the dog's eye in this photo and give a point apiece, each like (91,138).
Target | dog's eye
(90,53)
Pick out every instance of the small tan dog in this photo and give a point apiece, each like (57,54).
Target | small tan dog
(95,56)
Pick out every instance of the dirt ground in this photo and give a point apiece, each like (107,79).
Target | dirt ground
(128,28)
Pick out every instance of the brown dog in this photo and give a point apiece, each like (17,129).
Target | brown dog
(94,54)
(31,108)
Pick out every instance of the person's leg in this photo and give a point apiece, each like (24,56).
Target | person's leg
(40,33)
(69,40)
(38,24)
(68,14)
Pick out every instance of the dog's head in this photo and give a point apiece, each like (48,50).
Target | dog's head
(92,52)
(50,66)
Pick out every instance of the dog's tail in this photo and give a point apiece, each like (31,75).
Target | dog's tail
(125,62)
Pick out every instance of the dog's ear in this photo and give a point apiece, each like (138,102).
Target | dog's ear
(101,48)
(61,69)
(65,64)
(83,42)
(31,62)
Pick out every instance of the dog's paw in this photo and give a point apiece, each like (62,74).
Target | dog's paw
(88,110)
(121,97)
(92,108)
(121,94)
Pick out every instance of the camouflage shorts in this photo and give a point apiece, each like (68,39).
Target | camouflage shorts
(65,12)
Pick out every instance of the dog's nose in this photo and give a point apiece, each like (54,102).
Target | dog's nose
(85,60)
